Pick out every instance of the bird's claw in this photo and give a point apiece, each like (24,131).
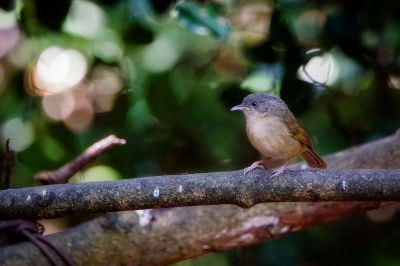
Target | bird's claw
(277,172)
(255,165)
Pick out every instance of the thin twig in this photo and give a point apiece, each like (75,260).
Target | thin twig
(33,231)
(64,173)
(8,164)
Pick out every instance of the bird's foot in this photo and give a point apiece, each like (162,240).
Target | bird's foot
(278,171)
(258,164)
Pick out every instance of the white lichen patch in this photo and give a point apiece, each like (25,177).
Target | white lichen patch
(243,233)
(156,192)
(246,238)
(285,229)
(297,228)
(222,233)
(144,217)
(206,247)
(344,185)
(239,240)
(260,221)
(180,188)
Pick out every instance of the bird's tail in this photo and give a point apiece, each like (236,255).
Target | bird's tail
(313,159)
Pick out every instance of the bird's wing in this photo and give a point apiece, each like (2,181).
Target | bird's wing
(294,128)
(297,131)
(300,134)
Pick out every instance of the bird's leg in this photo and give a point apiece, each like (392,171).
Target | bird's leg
(280,170)
(257,164)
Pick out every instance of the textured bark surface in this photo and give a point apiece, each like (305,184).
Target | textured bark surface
(164,236)
(200,189)
(64,173)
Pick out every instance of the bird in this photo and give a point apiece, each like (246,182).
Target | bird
(274,131)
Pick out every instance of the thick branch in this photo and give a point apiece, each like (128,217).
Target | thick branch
(164,236)
(200,189)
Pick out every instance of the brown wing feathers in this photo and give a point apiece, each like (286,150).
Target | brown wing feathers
(313,159)
(309,154)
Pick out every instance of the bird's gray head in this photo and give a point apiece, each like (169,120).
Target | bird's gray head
(260,104)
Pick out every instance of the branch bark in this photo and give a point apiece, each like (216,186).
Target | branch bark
(164,236)
(64,173)
(200,189)
(7,165)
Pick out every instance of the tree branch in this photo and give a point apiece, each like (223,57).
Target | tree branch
(7,165)
(199,189)
(164,236)
(64,173)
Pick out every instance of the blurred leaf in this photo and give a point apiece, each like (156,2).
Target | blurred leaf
(85,19)
(108,47)
(391,35)
(142,11)
(140,117)
(265,78)
(201,19)
(52,149)
(96,174)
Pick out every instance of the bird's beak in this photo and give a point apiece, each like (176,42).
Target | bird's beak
(238,108)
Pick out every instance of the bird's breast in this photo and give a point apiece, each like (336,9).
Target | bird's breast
(271,137)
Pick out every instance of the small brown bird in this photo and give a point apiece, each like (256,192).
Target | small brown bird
(274,131)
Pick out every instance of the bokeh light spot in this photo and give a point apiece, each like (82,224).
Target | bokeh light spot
(107,82)
(7,19)
(58,106)
(308,26)
(394,81)
(57,69)
(96,174)
(85,19)
(20,133)
(83,114)
(108,50)
(162,54)
(252,22)
(320,69)
(22,54)
(8,39)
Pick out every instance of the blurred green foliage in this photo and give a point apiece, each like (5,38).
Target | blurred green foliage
(163,75)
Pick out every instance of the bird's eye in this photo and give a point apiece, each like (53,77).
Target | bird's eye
(253,103)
